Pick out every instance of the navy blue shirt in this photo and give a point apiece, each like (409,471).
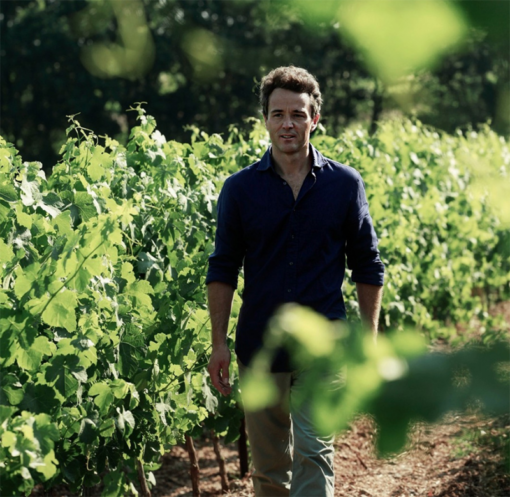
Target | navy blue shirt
(292,250)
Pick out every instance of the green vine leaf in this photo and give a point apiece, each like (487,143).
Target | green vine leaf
(60,311)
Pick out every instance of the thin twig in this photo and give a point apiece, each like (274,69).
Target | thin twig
(145,491)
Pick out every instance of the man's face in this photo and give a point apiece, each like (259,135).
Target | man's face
(289,120)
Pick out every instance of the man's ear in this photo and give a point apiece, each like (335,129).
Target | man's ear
(265,119)
(315,121)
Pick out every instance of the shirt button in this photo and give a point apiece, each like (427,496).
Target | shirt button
(290,263)
(284,183)
(289,290)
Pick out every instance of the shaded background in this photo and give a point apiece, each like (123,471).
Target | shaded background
(198,63)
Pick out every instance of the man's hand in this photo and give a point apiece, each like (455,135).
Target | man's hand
(219,296)
(218,368)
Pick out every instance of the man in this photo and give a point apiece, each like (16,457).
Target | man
(291,219)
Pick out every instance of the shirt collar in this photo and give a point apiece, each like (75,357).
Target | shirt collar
(266,162)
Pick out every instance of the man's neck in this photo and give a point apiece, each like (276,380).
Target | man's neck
(296,164)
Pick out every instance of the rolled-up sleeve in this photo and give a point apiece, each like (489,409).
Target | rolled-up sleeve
(227,258)
(361,244)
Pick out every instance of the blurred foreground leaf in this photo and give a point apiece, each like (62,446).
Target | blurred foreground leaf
(396,37)
(399,37)
(395,380)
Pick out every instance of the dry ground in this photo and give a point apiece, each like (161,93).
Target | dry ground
(460,457)
(443,460)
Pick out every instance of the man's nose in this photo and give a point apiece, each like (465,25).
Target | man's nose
(288,122)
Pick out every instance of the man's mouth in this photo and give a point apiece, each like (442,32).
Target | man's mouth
(286,137)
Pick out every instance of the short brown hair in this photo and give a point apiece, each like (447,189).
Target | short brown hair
(294,79)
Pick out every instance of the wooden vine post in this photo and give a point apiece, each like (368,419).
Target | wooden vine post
(243,449)
(221,462)
(194,469)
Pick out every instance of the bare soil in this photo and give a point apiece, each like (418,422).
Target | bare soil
(460,457)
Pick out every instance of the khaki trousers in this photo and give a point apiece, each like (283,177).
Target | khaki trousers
(289,458)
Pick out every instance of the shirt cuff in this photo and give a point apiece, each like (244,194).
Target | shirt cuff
(373,275)
(221,277)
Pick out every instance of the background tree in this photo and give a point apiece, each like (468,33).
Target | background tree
(204,59)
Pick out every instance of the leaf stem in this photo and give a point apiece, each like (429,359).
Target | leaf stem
(64,284)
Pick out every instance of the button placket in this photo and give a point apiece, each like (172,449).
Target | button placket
(291,271)
(292,253)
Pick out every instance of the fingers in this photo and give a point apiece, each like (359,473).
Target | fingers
(223,380)
(225,387)
(218,371)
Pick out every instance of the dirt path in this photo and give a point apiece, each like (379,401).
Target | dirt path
(457,458)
